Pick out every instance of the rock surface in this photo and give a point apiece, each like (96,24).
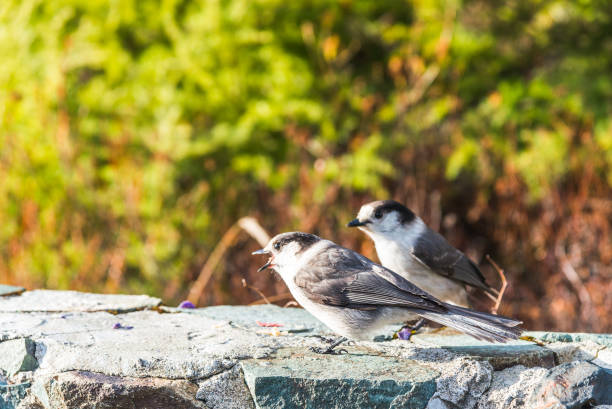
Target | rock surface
(296,379)
(500,356)
(75,350)
(575,384)
(10,290)
(72,301)
(17,355)
(78,389)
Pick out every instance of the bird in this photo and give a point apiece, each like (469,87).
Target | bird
(407,246)
(355,297)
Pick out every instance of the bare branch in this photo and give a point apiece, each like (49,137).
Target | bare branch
(502,290)
(248,224)
(245,285)
(574,279)
(273,298)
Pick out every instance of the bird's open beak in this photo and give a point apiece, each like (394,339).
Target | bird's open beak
(268,263)
(357,223)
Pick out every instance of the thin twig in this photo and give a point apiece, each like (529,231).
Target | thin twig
(273,298)
(502,290)
(572,276)
(245,285)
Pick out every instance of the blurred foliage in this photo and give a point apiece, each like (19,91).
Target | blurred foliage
(133,134)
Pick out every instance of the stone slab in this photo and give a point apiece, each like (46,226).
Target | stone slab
(173,346)
(221,358)
(84,390)
(6,290)
(292,320)
(511,387)
(17,355)
(301,379)
(575,384)
(72,301)
(226,390)
(500,356)
(602,339)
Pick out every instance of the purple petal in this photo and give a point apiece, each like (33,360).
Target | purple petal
(186,304)
(117,326)
(405,334)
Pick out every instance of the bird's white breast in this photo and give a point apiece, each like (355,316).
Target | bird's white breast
(395,252)
(329,315)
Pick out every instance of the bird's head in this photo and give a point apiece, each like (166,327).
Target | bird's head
(285,249)
(383,217)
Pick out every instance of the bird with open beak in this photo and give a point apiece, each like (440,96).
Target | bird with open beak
(355,297)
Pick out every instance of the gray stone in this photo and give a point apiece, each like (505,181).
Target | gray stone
(602,339)
(78,389)
(11,395)
(582,351)
(500,356)
(603,358)
(511,387)
(226,390)
(17,355)
(302,379)
(573,385)
(461,384)
(220,357)
(6,290)
(174,346)
(72,301)
(293,320)
(30,402)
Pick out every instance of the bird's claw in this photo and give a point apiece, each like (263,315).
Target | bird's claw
(327,340)
(328,351)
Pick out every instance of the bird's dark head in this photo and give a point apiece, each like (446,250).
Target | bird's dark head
(285,248)
(382,216)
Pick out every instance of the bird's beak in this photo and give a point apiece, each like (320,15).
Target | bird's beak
(357,223)
(262,268)
(268,263)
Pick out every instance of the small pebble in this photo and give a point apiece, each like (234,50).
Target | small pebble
(186,304)
(405,334)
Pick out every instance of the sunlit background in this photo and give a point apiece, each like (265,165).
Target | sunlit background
(134,135)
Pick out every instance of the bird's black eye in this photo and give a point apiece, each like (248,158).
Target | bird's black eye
(378,214)
(277,246)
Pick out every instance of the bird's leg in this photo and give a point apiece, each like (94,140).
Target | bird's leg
(412,329)
(330,349)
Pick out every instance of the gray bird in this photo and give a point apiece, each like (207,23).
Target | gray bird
(406,245)
(355,297)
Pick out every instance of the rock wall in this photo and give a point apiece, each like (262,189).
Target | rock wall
(76,350)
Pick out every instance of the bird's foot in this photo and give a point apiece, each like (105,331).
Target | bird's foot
(328,351)
(327,340)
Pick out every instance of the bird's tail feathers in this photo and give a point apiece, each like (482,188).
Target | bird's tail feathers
(480,325)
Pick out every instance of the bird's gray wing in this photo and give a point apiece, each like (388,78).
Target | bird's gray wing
(341,277)
(433,251)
